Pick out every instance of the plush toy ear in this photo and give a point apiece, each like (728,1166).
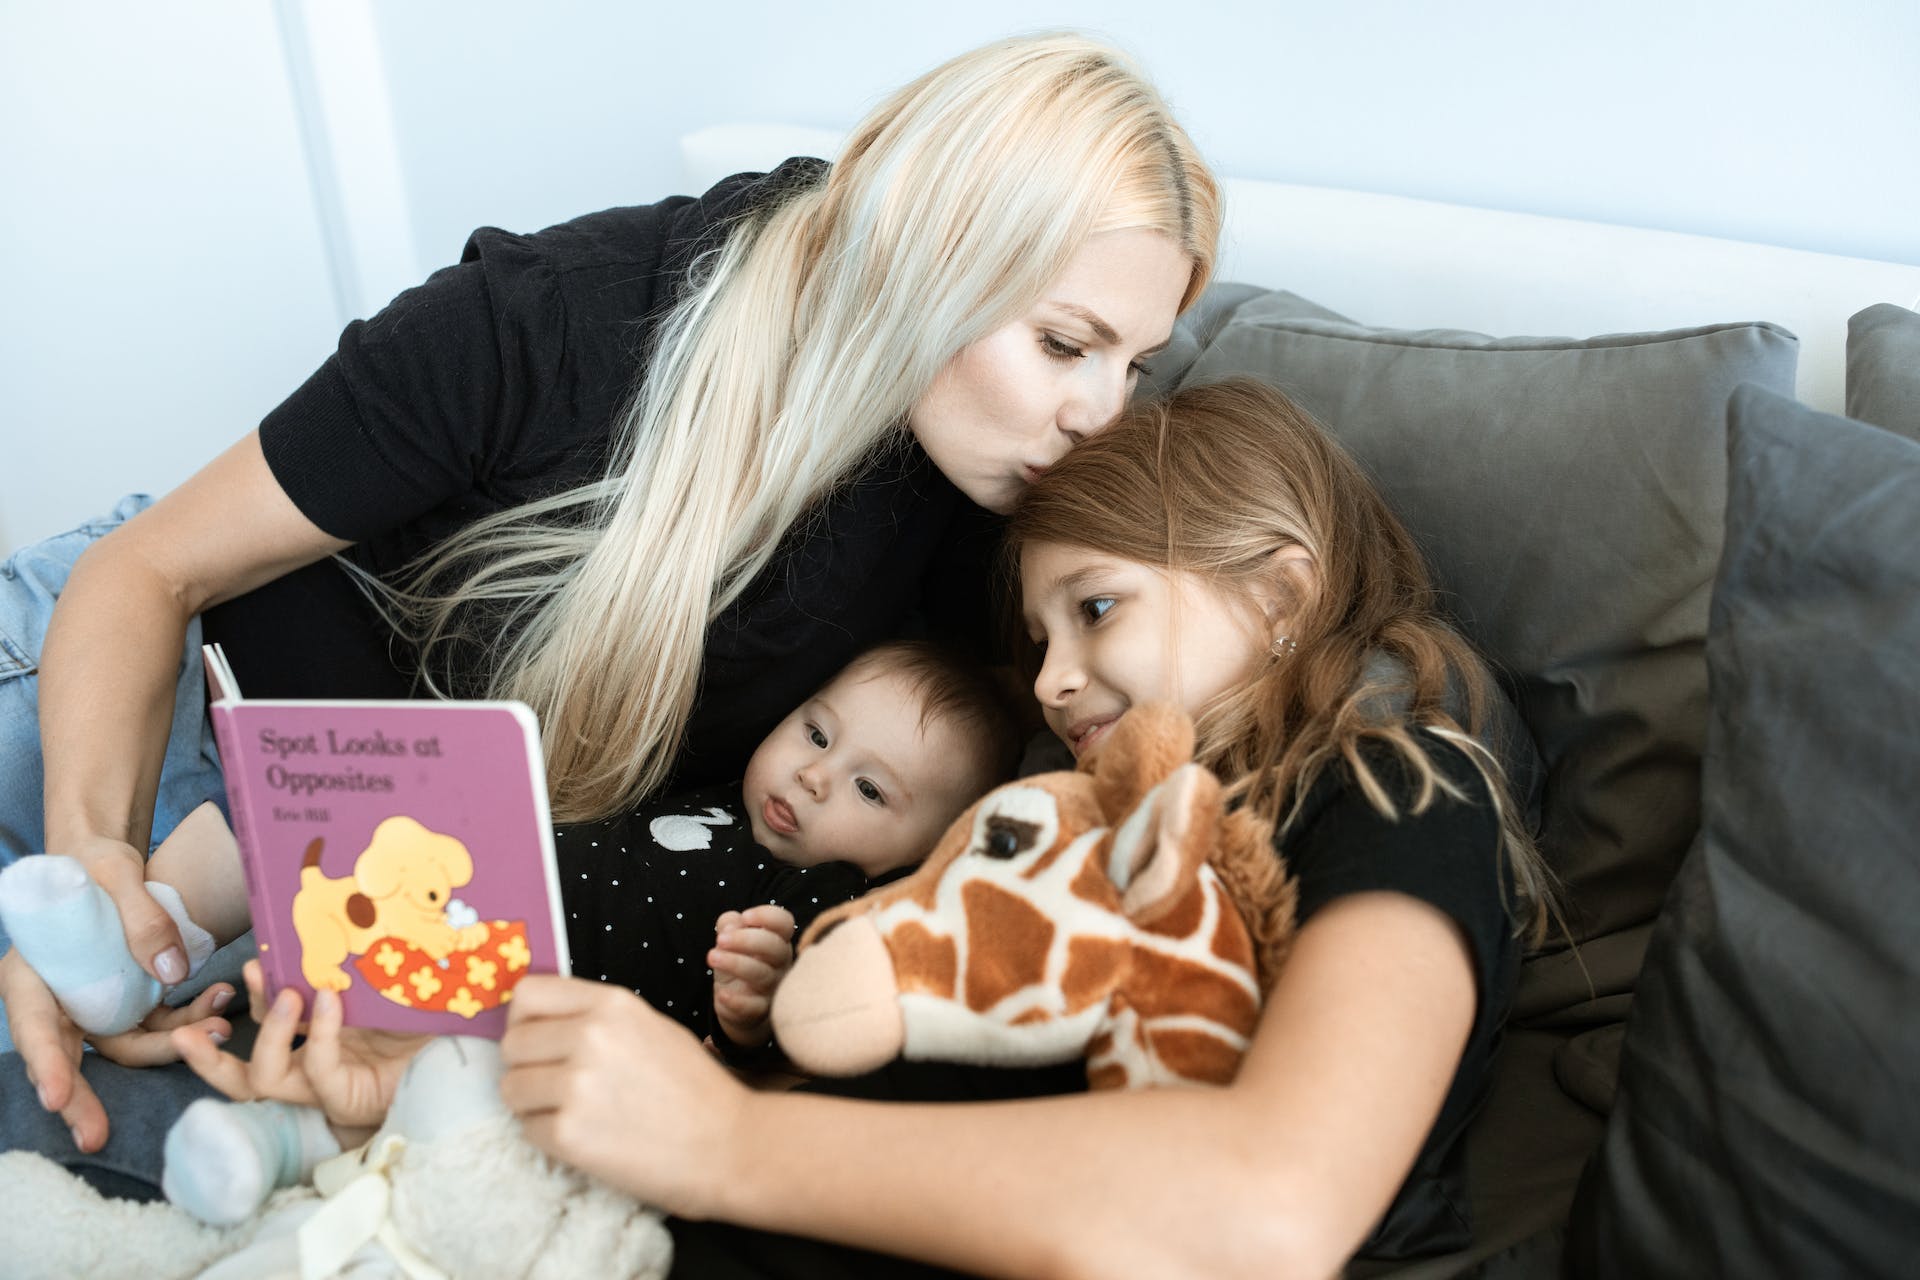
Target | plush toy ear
(1158,851)
(1149,743)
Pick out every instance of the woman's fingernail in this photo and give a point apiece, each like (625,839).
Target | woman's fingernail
(171,965)
(75,1131)
(218,1037)
(46,1102)
(222,998)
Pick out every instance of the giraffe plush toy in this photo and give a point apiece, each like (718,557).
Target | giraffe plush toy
(1117,912)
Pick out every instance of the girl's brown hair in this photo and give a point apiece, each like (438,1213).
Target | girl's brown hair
(1213,481)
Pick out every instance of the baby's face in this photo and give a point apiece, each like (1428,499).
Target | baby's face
(851,777)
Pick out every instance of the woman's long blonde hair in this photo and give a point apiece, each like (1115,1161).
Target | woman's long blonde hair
(1213,481)
(800,347)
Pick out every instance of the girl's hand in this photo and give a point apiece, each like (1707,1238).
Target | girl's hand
(349,1073)
(50,1044)
(604,1083)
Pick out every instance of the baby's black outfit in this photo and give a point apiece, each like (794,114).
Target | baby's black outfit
(641,891)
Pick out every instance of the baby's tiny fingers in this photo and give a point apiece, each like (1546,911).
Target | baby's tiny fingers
(745,968)
(768,948)
(769,916)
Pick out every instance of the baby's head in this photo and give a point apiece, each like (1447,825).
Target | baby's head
(876,766)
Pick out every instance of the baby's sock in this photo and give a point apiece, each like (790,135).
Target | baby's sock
(223,1159)
(66,928)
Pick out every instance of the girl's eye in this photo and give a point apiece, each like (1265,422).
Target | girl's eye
(1095,609)
(816,737)
(1140,369)
(870,792)
(1059,350)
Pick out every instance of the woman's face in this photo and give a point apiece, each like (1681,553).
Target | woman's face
(1006,407)
(1115,633)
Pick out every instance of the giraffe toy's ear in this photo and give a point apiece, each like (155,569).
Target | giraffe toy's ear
(1156,854)
(1149,743)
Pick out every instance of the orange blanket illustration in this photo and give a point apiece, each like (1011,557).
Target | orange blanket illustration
(465,983)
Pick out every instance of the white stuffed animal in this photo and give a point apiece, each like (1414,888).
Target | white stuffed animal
(447,1188)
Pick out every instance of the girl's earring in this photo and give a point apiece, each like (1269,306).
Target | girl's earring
(1281,647)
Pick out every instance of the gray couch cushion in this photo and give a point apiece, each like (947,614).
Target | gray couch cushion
(1568,494)
(1768,1114)
(1883,369)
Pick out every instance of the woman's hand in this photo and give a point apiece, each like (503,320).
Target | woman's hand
(606,1084)
(349,1073)
(49,1044)
(152,937)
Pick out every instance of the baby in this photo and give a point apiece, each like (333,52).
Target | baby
(855,785)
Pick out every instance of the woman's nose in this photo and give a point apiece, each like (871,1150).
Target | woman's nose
(1095,402)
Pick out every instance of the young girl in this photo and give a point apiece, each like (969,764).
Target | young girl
(670,467)
(1221,551)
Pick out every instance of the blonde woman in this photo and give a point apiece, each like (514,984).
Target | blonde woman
(657,471)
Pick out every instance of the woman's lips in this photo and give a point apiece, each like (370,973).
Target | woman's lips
(779,815)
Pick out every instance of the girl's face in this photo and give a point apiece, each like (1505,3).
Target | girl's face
(1006,407)
(1115,632)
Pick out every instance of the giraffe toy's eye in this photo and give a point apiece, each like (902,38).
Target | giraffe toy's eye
(1008,837)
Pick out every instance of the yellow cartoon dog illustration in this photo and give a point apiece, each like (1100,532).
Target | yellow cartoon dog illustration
(401,886)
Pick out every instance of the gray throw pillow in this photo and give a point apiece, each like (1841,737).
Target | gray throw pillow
(1568,494)
(1202,322)
(1883,369)
(1768,1114)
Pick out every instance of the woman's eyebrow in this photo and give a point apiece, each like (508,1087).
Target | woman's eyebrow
(1101,329)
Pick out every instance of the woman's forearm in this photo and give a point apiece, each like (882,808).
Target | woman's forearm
(106,697)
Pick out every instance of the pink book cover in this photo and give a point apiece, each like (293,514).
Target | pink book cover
(398,852)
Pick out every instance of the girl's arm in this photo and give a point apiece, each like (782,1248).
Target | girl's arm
(1282,1174)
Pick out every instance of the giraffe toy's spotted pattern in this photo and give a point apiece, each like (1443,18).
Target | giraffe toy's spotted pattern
(1068,915)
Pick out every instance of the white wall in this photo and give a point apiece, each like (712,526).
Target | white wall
(197,196)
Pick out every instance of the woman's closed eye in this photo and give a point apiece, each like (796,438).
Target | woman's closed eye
(1060,349)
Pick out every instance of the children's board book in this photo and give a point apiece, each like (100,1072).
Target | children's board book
(398,852)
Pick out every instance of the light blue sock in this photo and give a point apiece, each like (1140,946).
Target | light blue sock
(65,927)
(223,1159)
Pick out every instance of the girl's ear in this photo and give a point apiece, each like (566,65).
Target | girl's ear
(1292,582)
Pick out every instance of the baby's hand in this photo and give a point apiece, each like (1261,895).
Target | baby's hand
(752,951)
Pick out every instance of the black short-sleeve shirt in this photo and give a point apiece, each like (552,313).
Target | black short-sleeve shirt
(1449,856)
(503,379)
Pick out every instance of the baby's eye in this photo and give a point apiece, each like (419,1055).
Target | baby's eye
(1059,350)
(816,737)
(1095,608)
(869,792)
